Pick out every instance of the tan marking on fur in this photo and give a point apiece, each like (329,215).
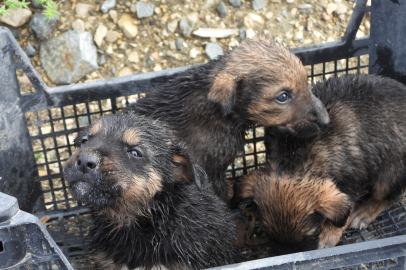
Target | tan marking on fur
(181,171)
(131,137)
(95,128)
(382,189)
(330,235)
(332,201)
(222,89)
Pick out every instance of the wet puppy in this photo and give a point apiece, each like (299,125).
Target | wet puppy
(151,204)
(355,166)
(210,107)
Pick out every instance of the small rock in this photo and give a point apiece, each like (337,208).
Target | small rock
(172,45)
(157,67)
(114,70)
(186,26)
(107,5)
(42,26)
(113,15)
(173,25)
(125,72)
(235,3)
(13,31)
(269,15)
(252,20)
(102,61)
(258,4)
(36,4)
(293,11)
(157,11)
(78,25)
(250,34)
(30,51)
(214,32)
(155,56)
(290,1)
(242,33)
(178,43)
(133,8)
(326,17)
(111,36)
(23,80)
(68,57)
(331,7)
(341,8)
(304,6)
(193,53)
(82,10)
(194,17)
(298,35)
(144,10)
(285,13)
(17,17)
(208,4)
(133,57)
(101,32)
(148,61)
(213,50)
(278,19)
(129,28)
(122,46)
(173,55)
(222,9)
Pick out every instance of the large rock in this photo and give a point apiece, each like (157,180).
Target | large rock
(213,50)
(69,57)
(144,10)
(17,17)
(42,26)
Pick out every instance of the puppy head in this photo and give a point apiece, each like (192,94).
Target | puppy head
(124,160)
(294,210)
(264,82)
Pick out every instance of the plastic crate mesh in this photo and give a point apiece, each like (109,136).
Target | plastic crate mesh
(52,133)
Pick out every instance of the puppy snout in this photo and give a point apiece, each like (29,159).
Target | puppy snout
(320,113)
(86,163)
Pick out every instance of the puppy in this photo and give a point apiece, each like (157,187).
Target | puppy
(151,204)
(210,107)
(345,175)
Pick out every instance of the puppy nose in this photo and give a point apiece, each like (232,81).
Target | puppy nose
(86,163)
(320,113)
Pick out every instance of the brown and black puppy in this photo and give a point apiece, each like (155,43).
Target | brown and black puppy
(356,165)
(151,204)
(210,107)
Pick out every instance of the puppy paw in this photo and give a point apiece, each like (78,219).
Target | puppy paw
(359,220)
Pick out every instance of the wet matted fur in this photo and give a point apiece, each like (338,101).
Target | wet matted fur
(210,107)
(151,204)
(355,166)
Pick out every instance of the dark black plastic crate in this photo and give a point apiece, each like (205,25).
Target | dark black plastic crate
(37,128)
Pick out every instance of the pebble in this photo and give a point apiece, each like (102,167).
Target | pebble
(133,8)
(69,57)
(341,8)
(253,19)
(129,28)
(125,72)
(242,33)
(78,25)
(293,11)
(331,7)
(222,9)
(101,32)
(250,34)
(17,17)
(36,4)
(13,31)
(155,56)
(31,51)
(304,6)
(285,13)
(186,26)
(258,4)
(290,1)
(298,35)
(82,10)
(144,10)
(23,80)
(111,36)
(107,5)
(173,55)
(278,19)
(213,50)
(148,61)
(172,45)
(133,57)
(208,4)
(113,15)
(157,67)
(173,25)
(102,61)
(42,26)
(269,15)
(326,17)
(235,3)
(193,53)
(157,11)
(178,43)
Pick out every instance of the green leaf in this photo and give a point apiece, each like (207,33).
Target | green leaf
(3,11)
(51,10)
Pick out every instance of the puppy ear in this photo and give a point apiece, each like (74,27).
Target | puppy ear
(186,170)
(334,205)
(243,190)
(223,92)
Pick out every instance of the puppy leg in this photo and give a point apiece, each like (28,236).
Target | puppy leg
(330,235)
(367,212)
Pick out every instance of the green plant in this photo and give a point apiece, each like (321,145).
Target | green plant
(50,8)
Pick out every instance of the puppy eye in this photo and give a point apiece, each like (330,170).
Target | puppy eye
(135,153)
(283,98)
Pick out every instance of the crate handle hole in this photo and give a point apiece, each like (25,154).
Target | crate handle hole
(1,247)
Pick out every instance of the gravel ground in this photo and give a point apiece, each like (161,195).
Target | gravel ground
(155,41)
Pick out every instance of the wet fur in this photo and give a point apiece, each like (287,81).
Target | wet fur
(362,151)
(210,107)
(158,209)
